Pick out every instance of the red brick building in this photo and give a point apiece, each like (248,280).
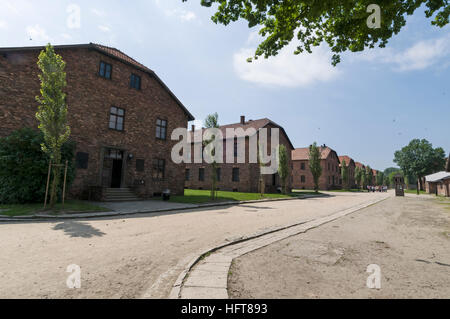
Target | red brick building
(351,169)
(302,176)
(242,177)
(438,184)
(120,112)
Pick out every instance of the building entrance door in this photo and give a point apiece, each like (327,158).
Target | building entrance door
(112,168)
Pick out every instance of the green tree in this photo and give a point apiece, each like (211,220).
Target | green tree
(419,159)
(343,25)
(345,175)
(283,166)
(369,175)
(364,181)
(380,178)
(358,176)
(52,111)
(314,164)
(24,167)
(212,121)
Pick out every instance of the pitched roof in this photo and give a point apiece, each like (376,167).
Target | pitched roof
(302,154)
(255,124)
(360,165)
(113,53)
(347,159)
(437,177)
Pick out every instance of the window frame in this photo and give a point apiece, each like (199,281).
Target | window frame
(133,78)
(106,64)
(159,171)
(117,115)
(201,176)
(233,179)
(160,127)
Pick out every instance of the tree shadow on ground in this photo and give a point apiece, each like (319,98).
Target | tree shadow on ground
(78,230)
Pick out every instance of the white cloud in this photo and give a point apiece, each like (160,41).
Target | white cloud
(37,33)
(104,28)
(3,24)
(98,13)
(421,55)
(286,69)
(188,16)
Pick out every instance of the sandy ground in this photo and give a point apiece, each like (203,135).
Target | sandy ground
(129,258)
(409,238)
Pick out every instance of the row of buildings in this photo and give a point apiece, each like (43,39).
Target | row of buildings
(439,183)
(122,116)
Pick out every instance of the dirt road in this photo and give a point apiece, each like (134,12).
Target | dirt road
(408,238)
(139,256)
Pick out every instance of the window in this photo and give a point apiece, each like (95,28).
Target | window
(187,175)
(303,179)
(159,167)
(161,129)
(218,174)
(140,165)
(235,147)
(235,174)
(82,160)
(302,166)
(116,118)
(105,70)
(135,82)
(201,174)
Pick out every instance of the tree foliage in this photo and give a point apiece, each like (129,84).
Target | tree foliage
(342,24)
(314,164)
(358,176)
(52,110)
(345,175)
(24,167)
(419,159)
(283,166)
(212,121)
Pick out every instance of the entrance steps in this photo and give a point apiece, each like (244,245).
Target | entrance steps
(120,195)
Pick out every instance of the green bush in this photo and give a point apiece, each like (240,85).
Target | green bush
(24,167)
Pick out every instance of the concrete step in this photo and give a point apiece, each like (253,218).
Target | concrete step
(120,195)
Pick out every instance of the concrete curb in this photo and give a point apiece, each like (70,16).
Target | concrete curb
(206,275)
(43,217)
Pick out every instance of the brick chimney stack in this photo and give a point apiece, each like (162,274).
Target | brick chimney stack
(242,119)
(193,128)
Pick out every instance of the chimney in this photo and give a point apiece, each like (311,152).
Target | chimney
(242,119)
(193,128)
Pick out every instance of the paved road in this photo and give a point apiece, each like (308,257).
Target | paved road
(140,256)
(408,238)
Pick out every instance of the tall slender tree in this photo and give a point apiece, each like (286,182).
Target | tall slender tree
(52,111)
(212,121)
(345,175)
(283,166)
(314,164)
(358,176)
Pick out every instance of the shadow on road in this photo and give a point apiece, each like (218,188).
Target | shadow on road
(78,230)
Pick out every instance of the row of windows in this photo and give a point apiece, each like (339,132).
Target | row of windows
(159,165)
(105,71)
(201,175)
(117,122)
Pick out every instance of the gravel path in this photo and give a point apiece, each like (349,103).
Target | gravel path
(139,256)
(409,238)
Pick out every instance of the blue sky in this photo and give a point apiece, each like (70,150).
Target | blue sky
(368,107)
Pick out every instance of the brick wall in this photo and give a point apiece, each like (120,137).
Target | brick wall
(89,99)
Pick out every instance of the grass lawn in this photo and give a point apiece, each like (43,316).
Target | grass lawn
(71,206)
(192,196)
(413,191)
